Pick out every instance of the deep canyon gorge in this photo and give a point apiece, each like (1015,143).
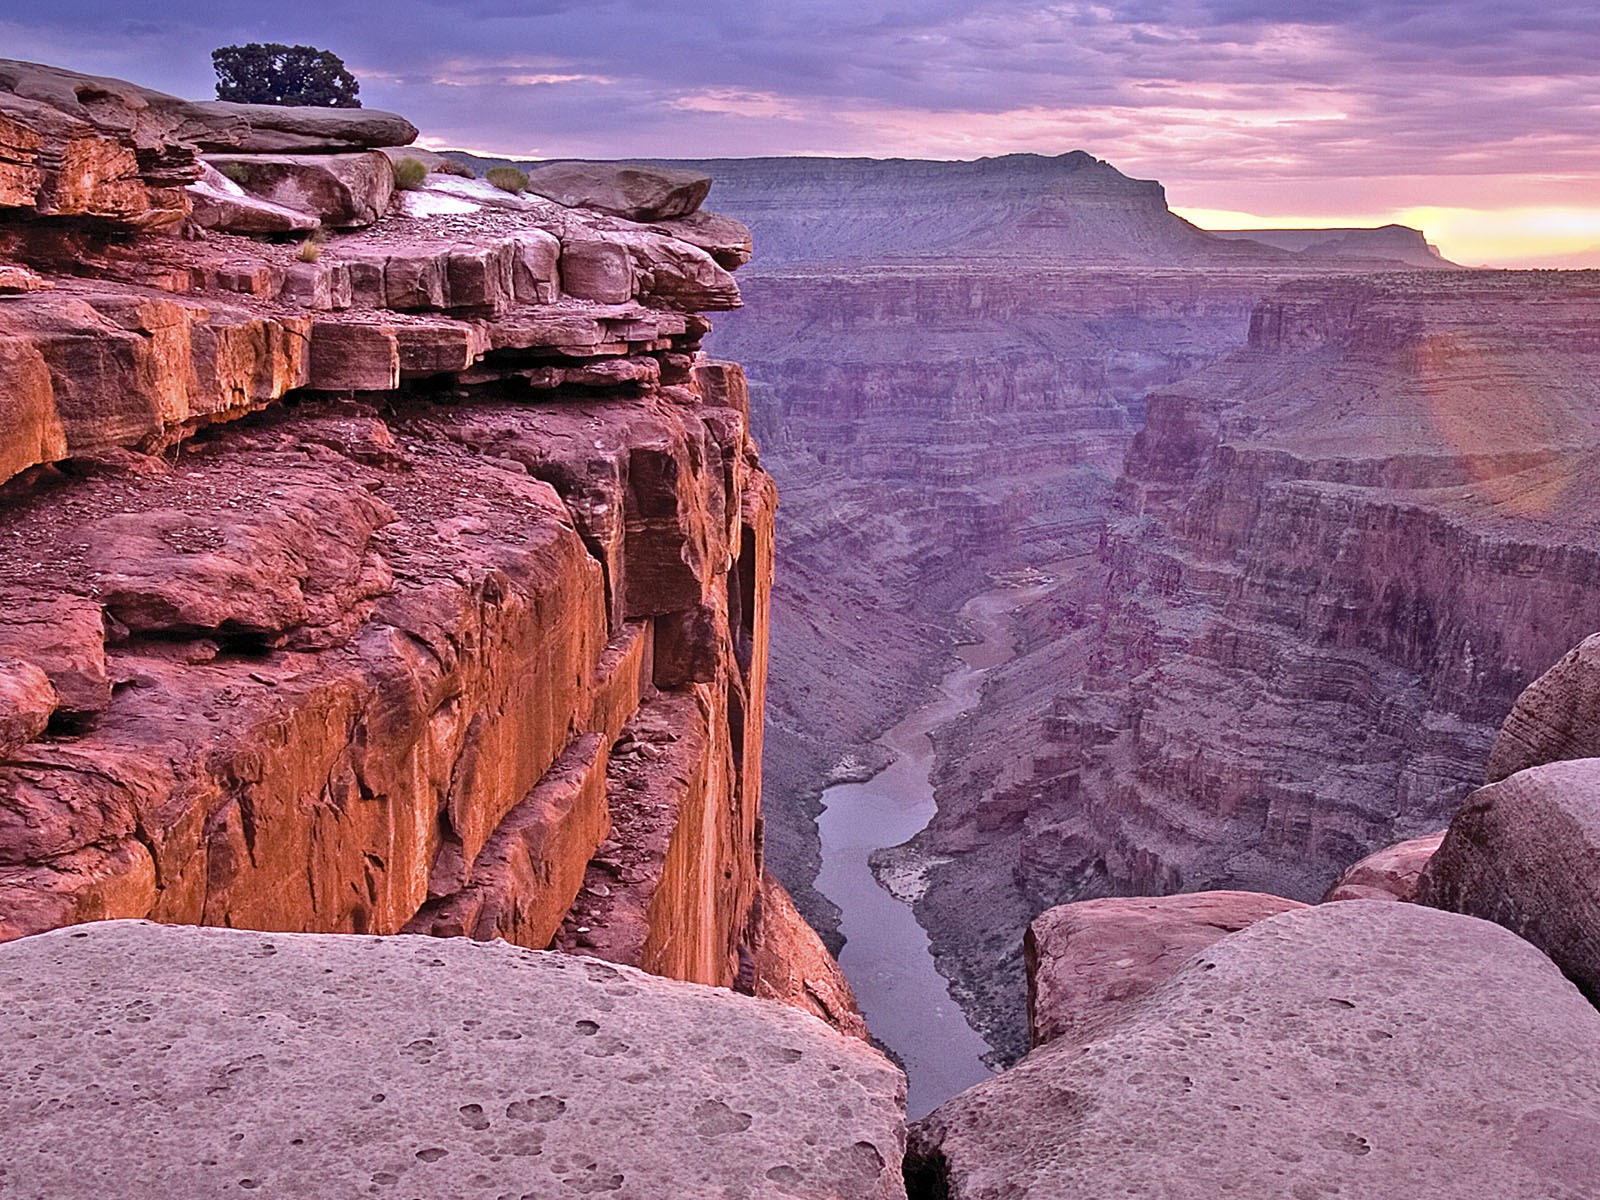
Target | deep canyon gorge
(428,641)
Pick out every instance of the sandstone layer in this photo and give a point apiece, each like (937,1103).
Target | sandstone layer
(147,1061)
(1378,1049)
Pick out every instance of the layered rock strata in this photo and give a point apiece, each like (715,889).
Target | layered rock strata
(147,1061)
(420,582)
(1339,555)
(1373,1048)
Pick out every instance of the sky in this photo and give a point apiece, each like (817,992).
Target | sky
(1477,121)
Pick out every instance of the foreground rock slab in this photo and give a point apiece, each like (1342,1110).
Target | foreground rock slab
(1525,853)
(1086,960)
(636,192)
(336,1066)
(1359,1049)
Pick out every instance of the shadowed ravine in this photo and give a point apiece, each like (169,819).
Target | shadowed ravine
(886,957)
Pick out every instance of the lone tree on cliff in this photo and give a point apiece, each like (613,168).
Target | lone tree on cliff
(272,73)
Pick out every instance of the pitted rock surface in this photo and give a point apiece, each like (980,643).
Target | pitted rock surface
(1381,1049)
(1525,853)
(150,1061)
(1556,717)
(1087,960)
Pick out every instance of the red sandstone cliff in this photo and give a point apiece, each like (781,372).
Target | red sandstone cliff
(417,581)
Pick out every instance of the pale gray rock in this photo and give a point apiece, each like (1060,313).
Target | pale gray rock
(148,1061)
(1525,853)
(1392,873)
(639,193)
(220,203)
(1557,716)
(1363,1049)
(1086,960)
(343,190)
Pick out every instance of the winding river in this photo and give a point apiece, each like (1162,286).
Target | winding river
(886,956)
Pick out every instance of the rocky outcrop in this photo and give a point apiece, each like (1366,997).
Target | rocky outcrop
(391,586)
(1525,853)
(1393,873)
(1087,960)
(433,1067)
(296,129)
(344,191)
(1354,1045)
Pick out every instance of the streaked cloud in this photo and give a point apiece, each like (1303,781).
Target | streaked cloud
(1269,107)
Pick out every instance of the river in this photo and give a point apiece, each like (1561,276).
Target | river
(886,956)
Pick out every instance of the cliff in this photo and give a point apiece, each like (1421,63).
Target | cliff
(1335,560)
(373,560)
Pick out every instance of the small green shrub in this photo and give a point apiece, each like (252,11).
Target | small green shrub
(508,179)
(237,172)
(409,174)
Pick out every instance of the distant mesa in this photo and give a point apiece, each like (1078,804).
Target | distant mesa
(1397,242)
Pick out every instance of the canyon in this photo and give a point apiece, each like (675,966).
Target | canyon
(412,707)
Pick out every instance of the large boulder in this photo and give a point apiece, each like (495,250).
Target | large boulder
(220,203)
(727,240)
(1087,960)
(297,129)
(1557,716)
(635,192)
(27,702)
(157,1061)
(345,191)
(1361,1049)
(1525,853)
(1392,873)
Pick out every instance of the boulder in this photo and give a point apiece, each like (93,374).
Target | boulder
(1525,853)
(64,636)
(324,1066)
(57,165)
(674,274)
(26,703)
(1557,716)
(1390,874)
(296,129)
(1087,960)
(342,190)
(220,203)
(1361,1049)
(727,240)
(637,193)
(597,269)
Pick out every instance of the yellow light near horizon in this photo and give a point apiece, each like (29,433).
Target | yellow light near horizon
(1507,237)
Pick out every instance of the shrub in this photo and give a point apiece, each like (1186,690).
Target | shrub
(508,179)
(237,172)
(310,250)
(449,166)
(409,174)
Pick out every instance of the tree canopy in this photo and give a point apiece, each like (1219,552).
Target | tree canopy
(272,73)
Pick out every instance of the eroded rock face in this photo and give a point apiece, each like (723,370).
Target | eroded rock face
(291,129)
(1525,853)
(1393,873)
(529,1073)
(1356,1045)
(1087,960)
